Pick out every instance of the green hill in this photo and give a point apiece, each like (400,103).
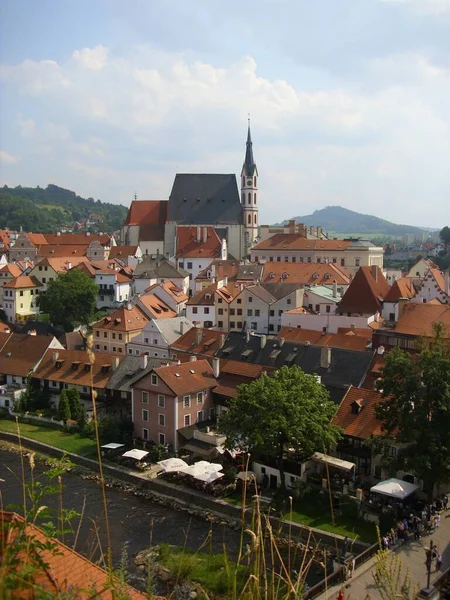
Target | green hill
(48,210)
(337,219)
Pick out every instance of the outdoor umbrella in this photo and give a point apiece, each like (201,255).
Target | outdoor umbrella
(135,453)
(208,476)
(395,488)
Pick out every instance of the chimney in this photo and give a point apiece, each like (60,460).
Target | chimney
(247,336)
(205,234)
(143,361)
(216,367)
(182,327)
(375,272)
(291,226)
(58,233)
(55,356)
(129,306)
(32,332)
(198,337)
(69,265)
(281,342)
(115,363)
(352,326)
(402,302)
(223,337)
(192,358)
(263,340)
(325,357)
(198,239)
(334,289)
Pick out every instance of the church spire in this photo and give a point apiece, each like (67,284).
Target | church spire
(249,162)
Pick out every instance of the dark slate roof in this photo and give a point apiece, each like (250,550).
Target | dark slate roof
(129,371)
(40,328)
(205,199)
(73,340)
(348,367)
(281,290)
(158,268)
(249,162)
(250,271)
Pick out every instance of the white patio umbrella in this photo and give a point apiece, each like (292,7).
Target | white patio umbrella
(208,466)
(209,476)
(172,465)
(396,488)
(135,453)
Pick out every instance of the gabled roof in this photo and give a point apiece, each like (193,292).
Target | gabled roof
(229,292)
(156,307)
(305,273)
(171,289)
(418,319)
(366,292)
(262,293)
(23,282)
(11,268)
(129,371)
(37,239)
(204,297)
(188,377)
(62,264)
(205,199)
(280,290)
(364,423)
(122,251)
(438,277)
(149,268)
(125,318)
(170,329)
(191,242)
(401,288)
(350,341)
(209,341)
(296,241)
(77,239)
(22,352)
(221,268)
(249,272)
(56,250)
(151,216)
(62,571)
(73,366)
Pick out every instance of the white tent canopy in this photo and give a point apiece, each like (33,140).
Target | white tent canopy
(209,476)
(395,488)
(135,453)
(201,467)
(112,446)
(171,465)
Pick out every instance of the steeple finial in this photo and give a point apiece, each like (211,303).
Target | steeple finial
(249,163)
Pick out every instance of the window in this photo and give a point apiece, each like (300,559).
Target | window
(114,349)
(377,472)
(144,414)
(232,311)
(250,298)
(189,265)
(239,325)
(286,259)
(105,334)
(146,340)
(239,300)
(220,311)
(97,346)
(187,401)
(154,379)
(97,333)
(105,348)
(219,323)
(327,308)
(249,312)
(155,342)
(309,259)
(130,351)
(144,397)
(232,324)
(257,312)
(288,301)
(357,262)
(162,438)
(294,259)
(145,434)
(199,416)
(318,259)
(21,292)
(219,300)
(317,307)
(120,336)
(187,420)
(199,397)
(161,420)
(206,310)
(271,313)
(280,312)
(239,312)
(194,310)
(334,260)
(278,258)
(270,326)
(342,262)
(161,401)
(113,336)
(253,325)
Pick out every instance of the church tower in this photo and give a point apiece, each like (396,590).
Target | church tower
(249,194)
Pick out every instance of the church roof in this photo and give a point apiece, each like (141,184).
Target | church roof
(205,199)
(249,162)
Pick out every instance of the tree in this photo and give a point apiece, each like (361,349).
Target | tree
(73,396)
(289,410)
(115,429)
(63,407)
(70,300)
(416,410)
(444,234)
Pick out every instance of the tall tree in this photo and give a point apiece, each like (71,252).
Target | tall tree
(444,234)
(70,300)
(416,411)
(289,410)
(73,396)
(63,407)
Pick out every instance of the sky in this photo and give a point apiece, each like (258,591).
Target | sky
(349,100)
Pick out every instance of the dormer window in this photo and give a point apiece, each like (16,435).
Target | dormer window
(356,406)
(326,276)
(154,379)
(315,275)
(75,365)
(87,367)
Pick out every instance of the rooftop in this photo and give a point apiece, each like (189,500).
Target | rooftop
(156,268)
(198,242)
(151,216)
(349,340)
(125,318)
(356,413)
(23,282)
(154,307)
(199,341)
(296,241)
(418,319)
(366,292)
(21,352)
(305,273)
(187,377)
(401,288)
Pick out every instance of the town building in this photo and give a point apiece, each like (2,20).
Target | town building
(170,398)
(20,298)
(144,226)
(197,342)
(311,274)
(170,294)
(434,286)
(401,290)
(365,295)
(158,335)
(158,270)
(200,308)
(8,272)
(113,332)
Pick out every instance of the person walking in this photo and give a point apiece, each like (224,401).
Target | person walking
(438,561)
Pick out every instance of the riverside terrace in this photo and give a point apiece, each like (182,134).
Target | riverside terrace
(338,368)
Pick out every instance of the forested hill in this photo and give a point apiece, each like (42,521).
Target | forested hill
(48,210)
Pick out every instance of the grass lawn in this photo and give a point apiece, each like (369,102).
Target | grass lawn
(313,510)
(70,442)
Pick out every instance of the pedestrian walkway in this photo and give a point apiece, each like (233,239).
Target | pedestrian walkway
(361,585)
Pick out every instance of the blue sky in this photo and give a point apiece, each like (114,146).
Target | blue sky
(349,100)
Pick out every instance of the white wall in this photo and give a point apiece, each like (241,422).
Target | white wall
(331,322)
(289,478)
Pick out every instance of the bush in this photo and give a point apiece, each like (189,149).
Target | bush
(115,429)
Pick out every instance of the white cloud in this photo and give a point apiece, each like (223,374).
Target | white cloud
(8,159)
(431,7)
(111,124)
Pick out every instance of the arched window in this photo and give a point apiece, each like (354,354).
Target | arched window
(254,179)
(254,198)
(243,180)
(249,198)
(249,219)
(243,198)
(255,218)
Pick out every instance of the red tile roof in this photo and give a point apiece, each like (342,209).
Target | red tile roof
(22,282)
(54,250)
(189,246)
(77,239)
(4,328)
(295,241)
(156,307)
(122,251)
(289,272)
(243,369)
(12,269)
(22,352)
(209,341)
(59,365)
(37,239)
(171,289)
(123,319)
(201,298)
(418,319)
(360,425)
(349,340)
(61,570)
(188,377)
(221,268)
(151,215)
(401,288)
(366,292)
